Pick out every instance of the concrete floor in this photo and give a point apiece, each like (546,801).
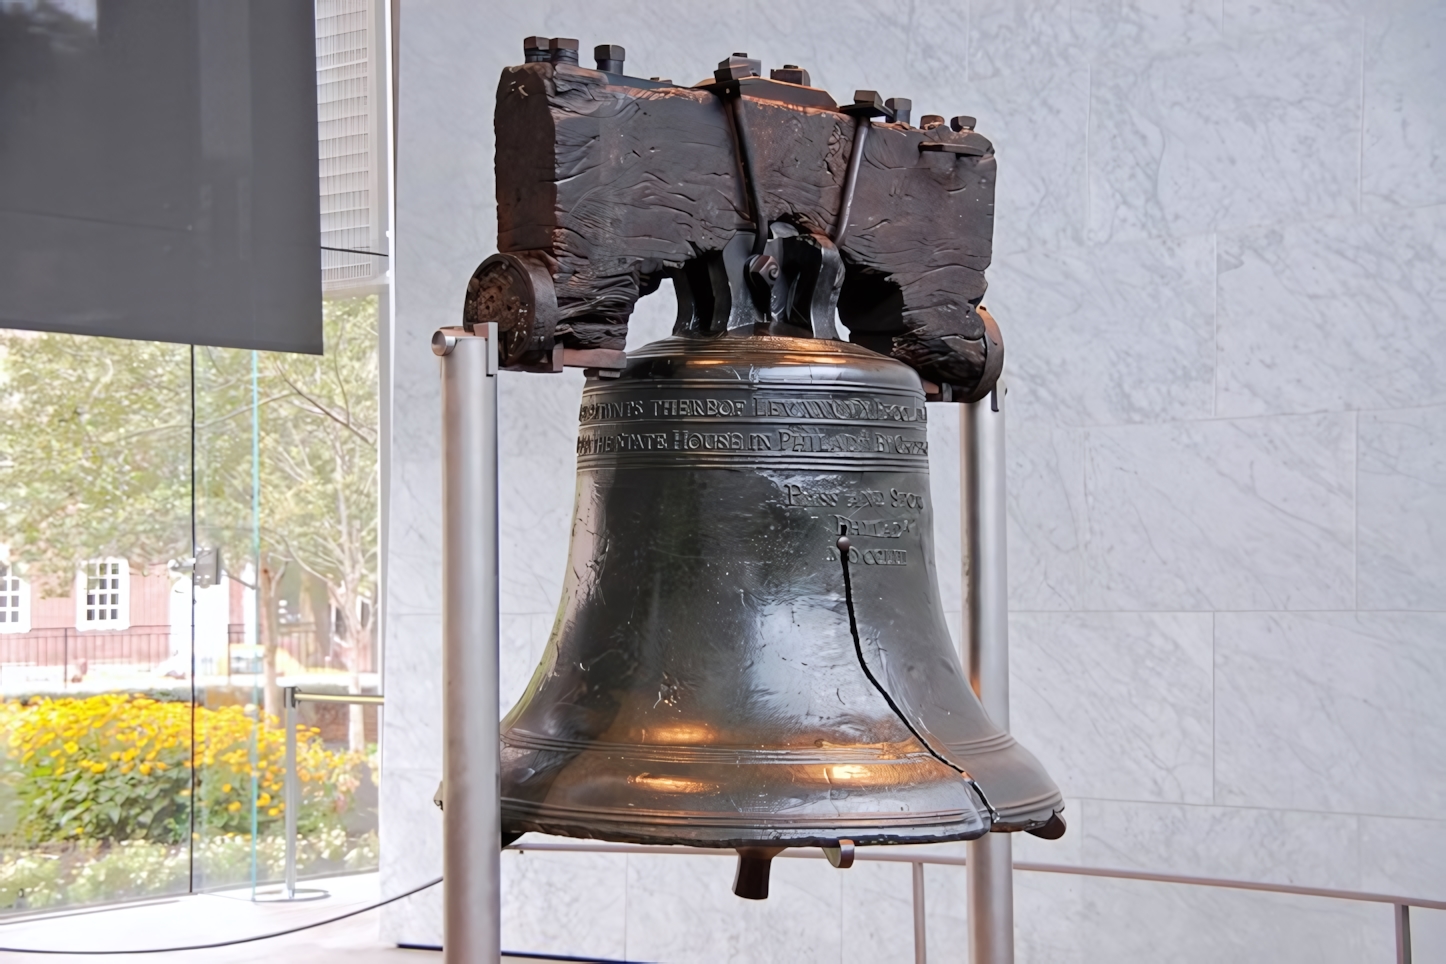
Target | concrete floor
(207,918)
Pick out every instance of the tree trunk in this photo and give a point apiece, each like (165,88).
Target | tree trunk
(356,733)
(354,636)
(268,630)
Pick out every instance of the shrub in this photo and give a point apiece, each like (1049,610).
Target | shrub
(86,872)
(118,767)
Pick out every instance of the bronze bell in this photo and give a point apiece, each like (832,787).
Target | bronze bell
(718,674)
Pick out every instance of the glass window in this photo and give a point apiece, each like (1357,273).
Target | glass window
(14,601)
(102,598)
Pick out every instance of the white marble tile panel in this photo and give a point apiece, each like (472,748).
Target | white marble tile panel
(414,547)
(412,717)
(1338,712)
(1029,88)
(1405,857)
(1048,523)
(1258,16)
(1129,920)
(1006,36)
(1048,917)
(1068,849)
(1403,150)
(1229,514)
(653,317)
(682,909)
(1401,519)
(1115,704)
(946,911)
(565,903)
(944,493)
(1136,24)
(1333,314)
(524,637)
(416,388)
(1428,934)
(876,917)
(537,469)
(1211,136)
(1273,846)
(1037,121)
(411,854)
(1120,332)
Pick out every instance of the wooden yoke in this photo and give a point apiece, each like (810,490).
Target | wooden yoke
(607,184)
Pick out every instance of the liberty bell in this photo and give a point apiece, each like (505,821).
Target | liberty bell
(750,650)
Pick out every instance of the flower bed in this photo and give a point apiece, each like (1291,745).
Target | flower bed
(101,791)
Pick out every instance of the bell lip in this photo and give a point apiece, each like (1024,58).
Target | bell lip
(649,836)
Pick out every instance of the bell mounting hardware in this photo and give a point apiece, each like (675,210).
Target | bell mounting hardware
(750,651)
(765,202)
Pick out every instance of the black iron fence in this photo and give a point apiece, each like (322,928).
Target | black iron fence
(147,647)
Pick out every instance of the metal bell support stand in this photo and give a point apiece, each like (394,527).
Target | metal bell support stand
(472,823)
(983,515)
(471,808)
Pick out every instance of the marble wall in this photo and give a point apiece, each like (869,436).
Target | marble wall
(1220,267)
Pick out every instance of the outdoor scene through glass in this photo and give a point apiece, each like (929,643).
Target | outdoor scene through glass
(184,531)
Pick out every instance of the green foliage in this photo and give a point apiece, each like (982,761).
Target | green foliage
(94,437)
(117,767)
(96,449)
(88,871)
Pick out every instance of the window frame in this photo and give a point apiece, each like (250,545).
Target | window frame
(119,577)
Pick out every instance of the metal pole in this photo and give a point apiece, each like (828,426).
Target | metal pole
(1403,934)
(921,932)
(471,814)
(293,790)
(986,601)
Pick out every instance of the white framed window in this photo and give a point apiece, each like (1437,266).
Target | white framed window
(14,601)
(103,595)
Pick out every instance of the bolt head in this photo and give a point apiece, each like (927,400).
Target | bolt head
(737,67)
(962,123)
(791,74)
(929,121)
(843,544)
(609,52)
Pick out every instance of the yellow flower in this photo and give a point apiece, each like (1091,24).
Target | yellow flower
(263,800)
(273,811)
(233,806)
(98,767)
(145,769)
(225,788)
(71,747)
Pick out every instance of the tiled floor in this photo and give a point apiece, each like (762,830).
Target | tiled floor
(208,918)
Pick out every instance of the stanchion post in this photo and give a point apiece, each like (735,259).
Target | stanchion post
(471,810)
(921,917)
(983,515)
(293,789)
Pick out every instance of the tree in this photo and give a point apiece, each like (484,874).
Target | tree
(96,451)
(320,472)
